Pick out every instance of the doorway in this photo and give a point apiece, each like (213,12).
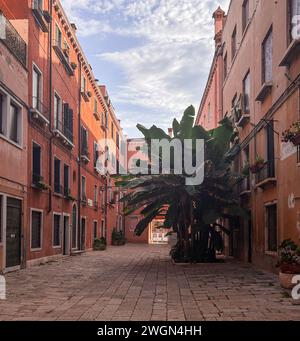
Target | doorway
(13,232)
(74,227)
(83,228)
(250,237)
(66,234)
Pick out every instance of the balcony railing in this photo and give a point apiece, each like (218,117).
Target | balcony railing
(39,110)
(12,40)
(64,131)
(267,172)
(245,185)
(84,198)
(85,155)
(63,57)
(58,188)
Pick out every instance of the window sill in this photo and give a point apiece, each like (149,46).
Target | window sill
(271,253)
(264,183)
(291,53)
(35,250)
(56,247)
(58,194)
(264,91)
(15,144)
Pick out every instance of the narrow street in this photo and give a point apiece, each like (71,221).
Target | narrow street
(139,282)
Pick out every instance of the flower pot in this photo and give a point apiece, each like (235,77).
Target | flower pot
(285,280)
(290,268)
(296,140)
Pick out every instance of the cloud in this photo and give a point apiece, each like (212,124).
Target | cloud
(168,71)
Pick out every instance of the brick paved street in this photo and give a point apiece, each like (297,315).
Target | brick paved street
(139,282)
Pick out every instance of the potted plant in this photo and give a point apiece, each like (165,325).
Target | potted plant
(289,263)
(73,65)
(292,134)
(258,164)
(99,244)
(118,237)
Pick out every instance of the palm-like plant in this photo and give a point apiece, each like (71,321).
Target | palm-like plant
(193,212)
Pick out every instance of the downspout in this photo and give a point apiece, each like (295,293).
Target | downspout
(78,159)
(50,107)
(106,184)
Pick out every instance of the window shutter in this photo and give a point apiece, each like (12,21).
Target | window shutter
(36,151)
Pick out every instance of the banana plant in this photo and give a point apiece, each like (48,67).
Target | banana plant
(196,212)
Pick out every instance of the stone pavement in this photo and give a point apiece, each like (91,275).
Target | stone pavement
(139,282)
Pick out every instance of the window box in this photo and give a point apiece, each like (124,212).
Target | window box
(61,136)
(292,52)
(264,91)
(63,58)
(40,16)
(38,182)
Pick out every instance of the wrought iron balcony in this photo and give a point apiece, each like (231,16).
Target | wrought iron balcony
(12,40)
(266,174)
(64,133)
(63,57)
(39,111)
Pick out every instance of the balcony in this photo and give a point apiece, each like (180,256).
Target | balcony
(291,53)
(266,175)
(63,133)
(41,17)
(85,155)
(242,118)
(63,57)
(13,41)
(39,111)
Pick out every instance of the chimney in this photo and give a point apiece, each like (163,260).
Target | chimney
(170,131)
(219,16)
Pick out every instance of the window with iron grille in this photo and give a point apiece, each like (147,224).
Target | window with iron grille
(36,229)
(271,228)
(267,58)
(56,230)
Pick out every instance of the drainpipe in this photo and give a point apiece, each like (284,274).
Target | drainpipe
(50,107)
(106,188)
(78,159)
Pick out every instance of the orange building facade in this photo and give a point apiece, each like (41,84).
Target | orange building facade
(66,198)
(261,94)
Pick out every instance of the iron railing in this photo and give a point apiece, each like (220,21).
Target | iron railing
(12,40)
(64,129)
(40,107)
(267,172)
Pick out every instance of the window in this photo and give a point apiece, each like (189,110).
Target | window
(57,112)
(245,14)
(1,219)
(83,189)
(36,88)
(103,233)
(112,130)
(58,36)
(246,94)
(66,180)
(57,185)
(103,198)
(95,194)
(96,155)
(106,119)
(233,44)
(95,106)
(36,163)
(267,58)
(118,140)
(83,84)
(36,229)
(294,12)
(56,230)
(95,229)
(10,118)
(84,141)
(38,4)
(269,131)
(225,66)
(68,122)
(271,228)
(14,122)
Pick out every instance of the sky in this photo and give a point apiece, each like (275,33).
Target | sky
(154,56)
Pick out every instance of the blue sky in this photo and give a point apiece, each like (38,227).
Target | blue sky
(153,55)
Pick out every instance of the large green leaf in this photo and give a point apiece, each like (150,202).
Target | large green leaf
(143,224)
(187,122)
